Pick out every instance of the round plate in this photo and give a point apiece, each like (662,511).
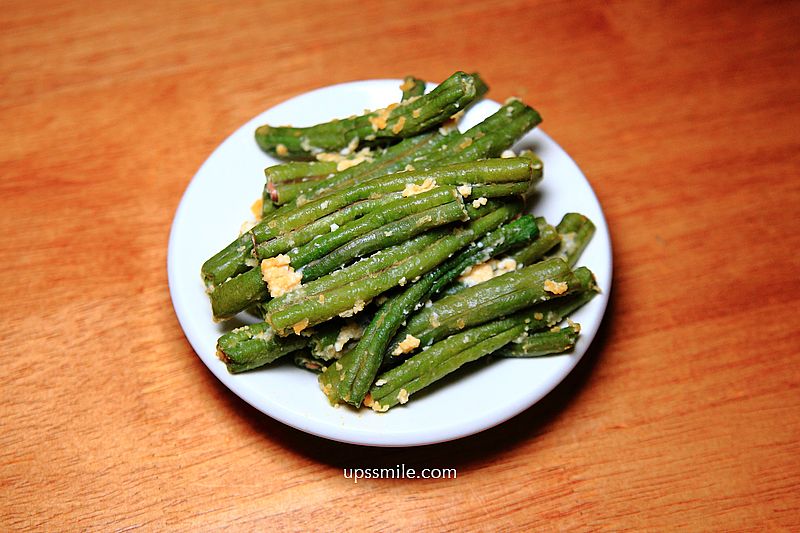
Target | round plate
(216,203)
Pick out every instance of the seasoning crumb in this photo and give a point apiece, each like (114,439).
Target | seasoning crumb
(408,344)
(412,188)
(281,150)
(555,287)
(379,120)
(398,127)
(402,396)
(279,276)
(257,208)
(357,308)
(479,202)
(300,326)
(350,331)
(378,408)
(476,274)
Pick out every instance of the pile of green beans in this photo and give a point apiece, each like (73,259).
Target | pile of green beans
(392,249)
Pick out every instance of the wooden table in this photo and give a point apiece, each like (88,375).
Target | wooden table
(686,412)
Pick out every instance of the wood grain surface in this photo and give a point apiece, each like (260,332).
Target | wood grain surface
(685,116)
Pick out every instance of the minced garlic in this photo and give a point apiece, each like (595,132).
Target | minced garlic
(464,190)
(416,113)
(477,274)
(398,127)
(408,344)
(357,308)
(350,331)
(479,202)
(329,157)
(257,208)
(486,271)
(407,84)
(300,326)
(379,120)
(507,264)
(279,276)
(378,408)
(344,164)
(507,154)
(402,396)
(555,287)
(412,188)
(281,150)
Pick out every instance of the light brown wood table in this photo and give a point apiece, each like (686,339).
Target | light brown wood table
(685,413)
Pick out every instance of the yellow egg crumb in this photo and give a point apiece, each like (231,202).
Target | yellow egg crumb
(279,276)
(402,396)
(300,326)
(476,203)
(357,308)
(412,188)
(555,287)
(379,120)
(408,344)
(350,331)
(378,408)
(398,127)
(257,208)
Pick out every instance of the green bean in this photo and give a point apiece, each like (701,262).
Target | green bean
(349,381)
(395,122)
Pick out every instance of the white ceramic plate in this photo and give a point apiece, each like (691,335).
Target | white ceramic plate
(216,203)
